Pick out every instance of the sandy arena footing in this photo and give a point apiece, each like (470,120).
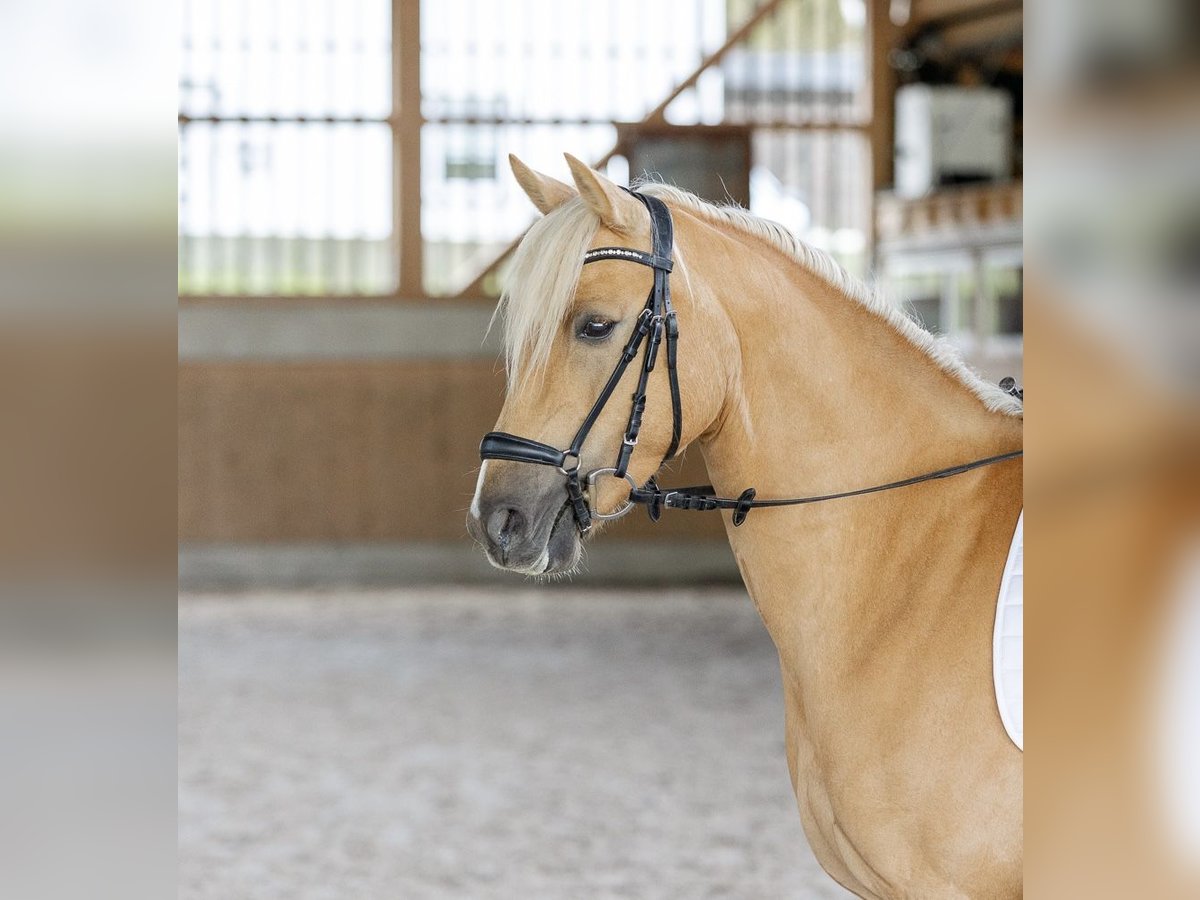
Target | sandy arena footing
(542,742)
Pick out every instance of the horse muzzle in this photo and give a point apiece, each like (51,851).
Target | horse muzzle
(525,529)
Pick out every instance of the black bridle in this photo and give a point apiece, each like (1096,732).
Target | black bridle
(655,324)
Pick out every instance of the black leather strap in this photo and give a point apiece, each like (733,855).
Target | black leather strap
(701,497)
(661,323)
(640,330)
(502,445)
(672,328)
(663,231)
(655,324)
(579,507)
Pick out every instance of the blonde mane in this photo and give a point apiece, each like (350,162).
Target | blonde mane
(545,274)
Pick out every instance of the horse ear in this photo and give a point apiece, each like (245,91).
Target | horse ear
(615,207)
(546,193)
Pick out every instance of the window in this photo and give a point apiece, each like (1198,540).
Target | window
(285,148)
(292,150)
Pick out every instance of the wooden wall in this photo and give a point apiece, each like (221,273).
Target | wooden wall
(348,451)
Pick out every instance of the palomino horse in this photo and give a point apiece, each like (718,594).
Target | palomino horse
(796,380)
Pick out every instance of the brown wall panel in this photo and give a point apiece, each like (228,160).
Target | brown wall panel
(348,451)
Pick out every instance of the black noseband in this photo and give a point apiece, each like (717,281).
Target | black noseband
(655,324)
(501,445)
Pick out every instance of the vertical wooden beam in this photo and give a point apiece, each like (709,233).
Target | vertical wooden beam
(883,92)
(883,37)
(406,144)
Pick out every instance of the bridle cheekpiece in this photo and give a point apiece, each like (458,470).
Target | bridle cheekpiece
(655,325)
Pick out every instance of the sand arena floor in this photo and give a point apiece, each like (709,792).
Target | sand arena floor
(541,742)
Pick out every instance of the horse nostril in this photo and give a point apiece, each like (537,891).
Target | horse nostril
(504,524)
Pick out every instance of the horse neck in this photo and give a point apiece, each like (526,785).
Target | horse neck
(826,395)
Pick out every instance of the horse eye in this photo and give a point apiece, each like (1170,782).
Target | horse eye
(596,329)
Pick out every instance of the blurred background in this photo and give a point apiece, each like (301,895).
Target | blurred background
(346,212)
(343,215)
(366,707)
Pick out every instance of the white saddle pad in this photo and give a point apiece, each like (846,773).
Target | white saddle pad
(1008,641)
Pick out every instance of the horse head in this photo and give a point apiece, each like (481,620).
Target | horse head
(578,336)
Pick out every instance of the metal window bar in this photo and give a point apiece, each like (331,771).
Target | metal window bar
(285,112)
(352,137)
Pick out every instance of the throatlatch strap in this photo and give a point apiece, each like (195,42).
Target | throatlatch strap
(672,327)
(663,230)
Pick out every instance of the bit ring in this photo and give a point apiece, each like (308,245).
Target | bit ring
(591,482)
